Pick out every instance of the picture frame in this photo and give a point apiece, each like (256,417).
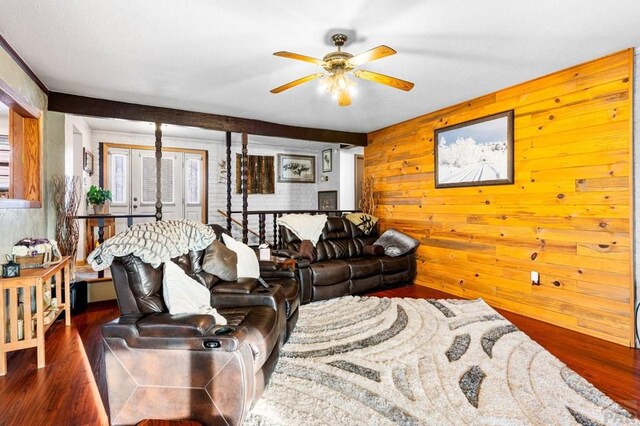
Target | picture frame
(87,161)
(475,153)
(327,160)
(296,168)
(327,200)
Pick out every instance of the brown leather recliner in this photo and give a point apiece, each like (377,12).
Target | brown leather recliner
(163,366)
(342,265)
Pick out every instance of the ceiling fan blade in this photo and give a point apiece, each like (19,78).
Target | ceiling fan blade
(294,83)
(343,98)
(384,79)
(299,57)
(371,55)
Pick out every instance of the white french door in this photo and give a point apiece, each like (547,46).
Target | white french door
(131,176)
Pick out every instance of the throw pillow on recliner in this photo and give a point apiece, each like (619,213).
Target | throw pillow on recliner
(220,261)
(248,265)
(183,295)
(396,243)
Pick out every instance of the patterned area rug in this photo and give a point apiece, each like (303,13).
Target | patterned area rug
(378,361)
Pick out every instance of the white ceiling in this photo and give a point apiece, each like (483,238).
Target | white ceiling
(216,56)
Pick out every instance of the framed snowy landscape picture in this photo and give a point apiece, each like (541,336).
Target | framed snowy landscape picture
(476,152)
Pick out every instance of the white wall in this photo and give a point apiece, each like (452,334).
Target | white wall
(78,136)
(347,171)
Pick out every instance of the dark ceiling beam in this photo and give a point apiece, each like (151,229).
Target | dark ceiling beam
(22,64)
(73,104)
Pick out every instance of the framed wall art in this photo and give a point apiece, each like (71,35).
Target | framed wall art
(327,200)
(474,153)
(87,161)
(296,168)
(327,160)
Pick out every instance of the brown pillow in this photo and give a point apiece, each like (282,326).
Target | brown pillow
(221,261)
(307,250)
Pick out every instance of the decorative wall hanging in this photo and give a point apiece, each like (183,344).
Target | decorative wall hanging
(476,152)
(327,200)
(327,160)
(296,168)
(87,161)
(260,174)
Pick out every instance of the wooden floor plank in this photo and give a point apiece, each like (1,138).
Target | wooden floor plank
(72,390)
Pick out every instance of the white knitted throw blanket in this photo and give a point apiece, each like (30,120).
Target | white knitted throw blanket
(304,226)
(153,242)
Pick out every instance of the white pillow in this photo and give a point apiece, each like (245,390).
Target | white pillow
(183,295)
(248,265)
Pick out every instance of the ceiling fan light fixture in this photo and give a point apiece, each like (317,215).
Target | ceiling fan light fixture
(338,64)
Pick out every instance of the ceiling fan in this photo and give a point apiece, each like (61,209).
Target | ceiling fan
(338,65)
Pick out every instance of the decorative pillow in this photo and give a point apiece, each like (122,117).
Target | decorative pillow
(396,243)
(364,221)
(183,295)
(221,261)
(248,264)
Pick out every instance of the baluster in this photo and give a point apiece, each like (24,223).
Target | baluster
(261,227)
(101,239)
(229,181)
(275,232)
(245,195)
(158,171)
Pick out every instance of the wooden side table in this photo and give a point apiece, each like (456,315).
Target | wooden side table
(10,289)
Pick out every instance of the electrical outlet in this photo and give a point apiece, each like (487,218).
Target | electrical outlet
(535,278)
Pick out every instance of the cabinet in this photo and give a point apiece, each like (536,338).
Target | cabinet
(16,300)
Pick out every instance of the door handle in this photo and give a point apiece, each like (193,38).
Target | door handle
(135,206)
(135,198)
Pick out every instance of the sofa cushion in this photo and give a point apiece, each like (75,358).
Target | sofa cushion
(329,272)
(396,243)
(221,261)
(262,329)
(145,283)
(364,267)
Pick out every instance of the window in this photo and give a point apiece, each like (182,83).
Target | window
(119,174)
(193,180)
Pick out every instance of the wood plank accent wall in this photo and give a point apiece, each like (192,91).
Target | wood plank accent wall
(568,215)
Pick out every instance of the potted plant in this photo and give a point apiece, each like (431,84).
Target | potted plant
(98,198)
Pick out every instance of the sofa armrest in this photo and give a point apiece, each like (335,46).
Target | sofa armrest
(373,250)
(241,286)
(272,296)
(290,254)
(166,331)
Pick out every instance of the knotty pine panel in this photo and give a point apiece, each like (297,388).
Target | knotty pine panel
(568,214)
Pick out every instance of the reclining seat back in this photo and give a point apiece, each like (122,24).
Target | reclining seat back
(341,239)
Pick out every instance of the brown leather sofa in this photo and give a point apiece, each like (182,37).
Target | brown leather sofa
(163,366)
(343,263)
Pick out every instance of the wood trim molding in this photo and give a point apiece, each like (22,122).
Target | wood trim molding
(73,104)
(22,64)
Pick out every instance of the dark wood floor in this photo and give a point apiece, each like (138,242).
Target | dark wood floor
(71,389)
